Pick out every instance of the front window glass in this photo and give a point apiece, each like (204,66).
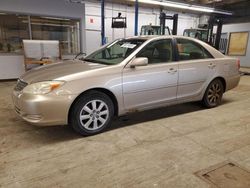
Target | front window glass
(189,50)
(13,29)
(193,34)
(198,34)
(204,35)
(150,30)
(158,51)
(115,52)
(153,30)
(186,34)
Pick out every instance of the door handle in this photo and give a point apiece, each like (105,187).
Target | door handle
(172,70)
(211,65)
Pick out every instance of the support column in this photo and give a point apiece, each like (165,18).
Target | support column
(218,34)
(162,22)
(103,22)
(175,24)
(136,17)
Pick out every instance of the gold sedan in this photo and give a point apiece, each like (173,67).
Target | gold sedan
(127,75)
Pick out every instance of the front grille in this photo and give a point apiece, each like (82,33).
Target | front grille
(20,85)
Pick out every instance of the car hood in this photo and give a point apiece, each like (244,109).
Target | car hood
(59,71)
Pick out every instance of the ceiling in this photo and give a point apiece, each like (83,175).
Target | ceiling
(239,8)
(213,3)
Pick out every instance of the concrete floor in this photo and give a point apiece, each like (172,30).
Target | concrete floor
(159,148)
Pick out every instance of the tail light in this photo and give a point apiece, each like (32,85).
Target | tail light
(238,63)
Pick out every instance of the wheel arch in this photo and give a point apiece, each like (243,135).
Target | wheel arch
(223,81)
(102,90)
(217,102)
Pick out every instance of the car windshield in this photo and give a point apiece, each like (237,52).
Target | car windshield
(115,52)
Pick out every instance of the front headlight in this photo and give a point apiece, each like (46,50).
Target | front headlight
(42,87)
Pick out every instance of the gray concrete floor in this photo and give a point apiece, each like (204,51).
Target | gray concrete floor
(159,148)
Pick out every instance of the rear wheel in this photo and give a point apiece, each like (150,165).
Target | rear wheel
(213,94)
(91,113)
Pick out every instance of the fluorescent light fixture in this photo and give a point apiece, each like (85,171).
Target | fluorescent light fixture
(184,6)
(76,1)
(53,18)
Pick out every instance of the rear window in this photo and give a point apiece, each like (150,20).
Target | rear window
(188,50)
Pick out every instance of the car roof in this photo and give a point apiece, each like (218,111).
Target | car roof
(149,37)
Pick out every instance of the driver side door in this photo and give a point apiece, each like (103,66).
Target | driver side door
(154,84)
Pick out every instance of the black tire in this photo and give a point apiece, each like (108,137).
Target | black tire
(213,94)
(86,101)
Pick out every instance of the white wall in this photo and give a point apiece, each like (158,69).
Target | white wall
(244,60)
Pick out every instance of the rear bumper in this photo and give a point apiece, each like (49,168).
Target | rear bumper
(232,82)
(43,110)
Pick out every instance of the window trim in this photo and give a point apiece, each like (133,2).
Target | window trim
(199,45)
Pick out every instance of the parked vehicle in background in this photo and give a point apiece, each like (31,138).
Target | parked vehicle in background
(201,34)
(154,30)
(128,75)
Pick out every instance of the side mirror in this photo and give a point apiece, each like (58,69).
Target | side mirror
(139,61)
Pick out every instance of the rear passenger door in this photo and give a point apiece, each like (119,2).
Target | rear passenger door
(196,67)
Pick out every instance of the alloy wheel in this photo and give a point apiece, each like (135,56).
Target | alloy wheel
(214,93)
(94,114)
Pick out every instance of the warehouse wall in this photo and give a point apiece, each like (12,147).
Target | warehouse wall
(146,16)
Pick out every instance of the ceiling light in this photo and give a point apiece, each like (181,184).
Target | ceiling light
(53,18)
(76,1)
(184,6)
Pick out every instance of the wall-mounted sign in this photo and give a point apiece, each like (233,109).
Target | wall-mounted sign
(238,43)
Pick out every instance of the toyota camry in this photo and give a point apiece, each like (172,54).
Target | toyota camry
(127,75)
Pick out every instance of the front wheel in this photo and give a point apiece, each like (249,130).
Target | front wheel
(91,113)
(213,94)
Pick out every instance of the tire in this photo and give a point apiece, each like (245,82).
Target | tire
(213,94)
(91,113)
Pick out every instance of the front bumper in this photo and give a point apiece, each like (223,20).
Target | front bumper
(43,110)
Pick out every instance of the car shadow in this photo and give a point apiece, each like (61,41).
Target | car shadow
(159,113)
(155,114)
(53,134)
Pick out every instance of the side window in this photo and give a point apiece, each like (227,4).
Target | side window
(159,51)
(189,50)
